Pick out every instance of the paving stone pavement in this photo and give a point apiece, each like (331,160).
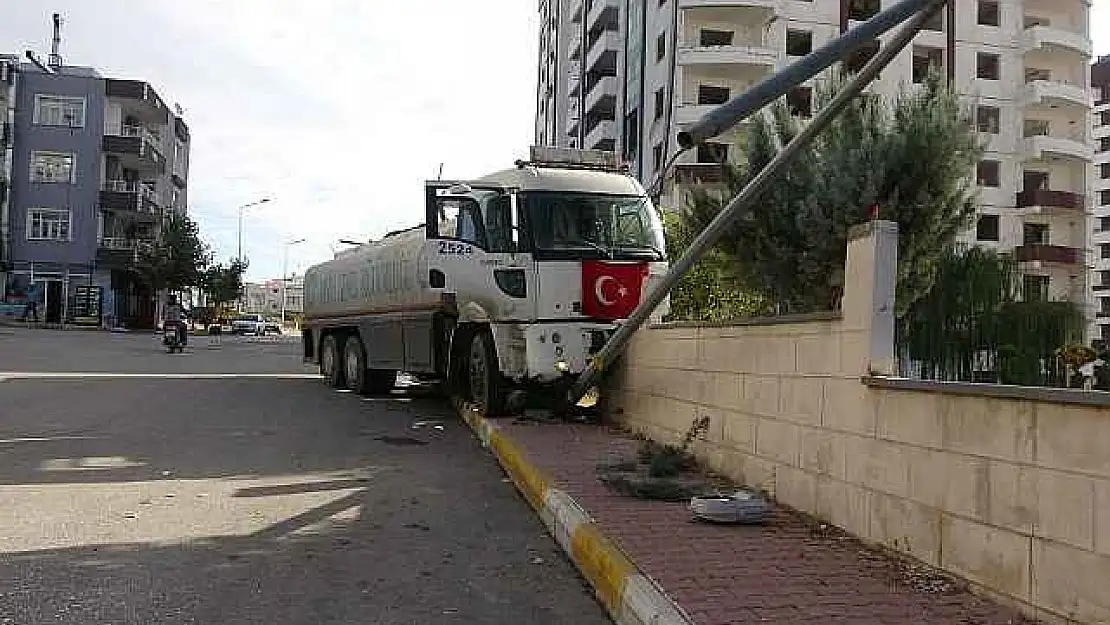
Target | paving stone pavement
(792,570)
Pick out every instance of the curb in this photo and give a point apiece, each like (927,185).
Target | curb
(630,596)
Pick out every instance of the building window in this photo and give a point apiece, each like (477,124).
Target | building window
(661,47)
(988,119)
(924,59)
(708,38)
(800,101)
(1104,170)
(863,9)
(57,110)
(1104,144)
(798,42)
(1104,251)
(1036,128)
(660,103)
(989,14)
(712,152)
(52,167)
(1104,118)
(861,55)
(986,229)
(1104,226)
(657,157)
(708,94)
(1104,197)
(987,66)
(987,173)
(47,224)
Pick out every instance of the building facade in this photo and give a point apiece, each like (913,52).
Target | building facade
(1100,196)
(1022,65)
(92,165)
(264,298)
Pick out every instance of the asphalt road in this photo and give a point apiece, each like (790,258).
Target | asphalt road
(226,493)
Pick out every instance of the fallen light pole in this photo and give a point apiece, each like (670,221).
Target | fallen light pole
(728,115)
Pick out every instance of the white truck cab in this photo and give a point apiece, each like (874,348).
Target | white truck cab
(514,281)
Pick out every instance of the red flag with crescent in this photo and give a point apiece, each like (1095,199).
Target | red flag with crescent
(612,290)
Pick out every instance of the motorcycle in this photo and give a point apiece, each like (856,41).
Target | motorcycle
(171,338)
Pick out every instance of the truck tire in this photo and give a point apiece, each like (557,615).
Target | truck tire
(330,364)
(485,385)
(360,379)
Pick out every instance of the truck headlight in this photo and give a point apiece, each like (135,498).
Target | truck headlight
(561,365)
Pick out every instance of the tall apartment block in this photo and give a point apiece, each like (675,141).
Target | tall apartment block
(1100,196)
(90,167)
(1022,65)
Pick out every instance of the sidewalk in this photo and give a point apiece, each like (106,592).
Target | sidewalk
(789,571)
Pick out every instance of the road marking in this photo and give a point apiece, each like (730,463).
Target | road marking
(45,439)
(42,375)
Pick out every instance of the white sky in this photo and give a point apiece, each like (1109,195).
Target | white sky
(337,109)
(338,113)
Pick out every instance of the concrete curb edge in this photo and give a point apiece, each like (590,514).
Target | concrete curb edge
(630,596)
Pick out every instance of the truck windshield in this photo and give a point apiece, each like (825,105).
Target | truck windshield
(575,225)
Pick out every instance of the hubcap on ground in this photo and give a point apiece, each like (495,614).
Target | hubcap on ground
(478,377)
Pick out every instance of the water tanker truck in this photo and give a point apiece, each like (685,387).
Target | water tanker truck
(512,283)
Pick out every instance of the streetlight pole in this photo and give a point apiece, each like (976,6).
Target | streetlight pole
(239,249)
(284,273)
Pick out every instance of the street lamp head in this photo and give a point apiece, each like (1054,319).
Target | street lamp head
(295,242)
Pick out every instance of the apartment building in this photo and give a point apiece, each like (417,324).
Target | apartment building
(1100,197)
(264,298)
(1023,65)
(91,166)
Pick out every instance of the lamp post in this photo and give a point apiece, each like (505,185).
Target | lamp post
(239,249)
(284,273)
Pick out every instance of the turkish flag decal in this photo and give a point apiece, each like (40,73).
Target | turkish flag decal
(611,290)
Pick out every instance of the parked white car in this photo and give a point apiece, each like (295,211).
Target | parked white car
(253,324)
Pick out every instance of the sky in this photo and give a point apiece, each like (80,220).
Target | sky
(337,110)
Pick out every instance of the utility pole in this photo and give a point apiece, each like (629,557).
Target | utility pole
(239,249)
(284,273)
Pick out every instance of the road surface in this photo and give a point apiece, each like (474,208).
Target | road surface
(230,486)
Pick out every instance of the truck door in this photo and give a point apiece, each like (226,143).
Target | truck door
(472,252)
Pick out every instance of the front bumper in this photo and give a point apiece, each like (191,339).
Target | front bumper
(549,352)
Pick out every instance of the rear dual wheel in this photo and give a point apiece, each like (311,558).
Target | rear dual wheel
(360,379)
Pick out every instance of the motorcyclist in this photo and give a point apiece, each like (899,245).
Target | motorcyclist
(173,316)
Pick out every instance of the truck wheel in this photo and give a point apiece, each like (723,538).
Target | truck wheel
(360,379)
(329,362)
(484,376)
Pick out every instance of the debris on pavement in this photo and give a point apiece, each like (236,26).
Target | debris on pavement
(741,507)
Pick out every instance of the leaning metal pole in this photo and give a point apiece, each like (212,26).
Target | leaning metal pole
(725,218)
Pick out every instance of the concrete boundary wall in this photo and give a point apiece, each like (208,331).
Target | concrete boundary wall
(1007,487)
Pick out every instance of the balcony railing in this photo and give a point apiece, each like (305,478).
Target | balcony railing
(1049,199)
(1047,254)
(131,130)
(118,243)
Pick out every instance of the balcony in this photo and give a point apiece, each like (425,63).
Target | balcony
(132,197)
(772,5)
(1040,200)
(604,89)
(137,147)
(141,97)
(606,129)
(118,252)
(698,173)
(606,10)
(1039,147)
(1041,253)
(1048,38)
(759,56)
(1055,93)
(608,43)
(181,129)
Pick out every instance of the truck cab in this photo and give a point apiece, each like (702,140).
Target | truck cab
(543,260)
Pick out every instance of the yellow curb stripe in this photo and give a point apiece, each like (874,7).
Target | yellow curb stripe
(531,482)
(603,564)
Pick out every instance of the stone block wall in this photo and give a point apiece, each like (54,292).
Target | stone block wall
(1006,487)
